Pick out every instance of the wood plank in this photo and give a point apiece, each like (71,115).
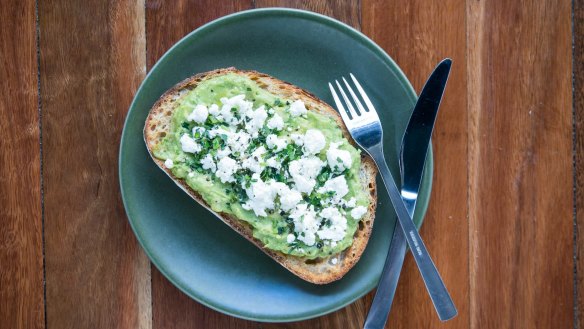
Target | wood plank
(21,254)
(166,23)
(418,34)
(347,11)
(92,62)
(578,61)
(169,21)
(520,177)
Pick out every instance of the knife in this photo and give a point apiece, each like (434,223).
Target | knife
(414,148)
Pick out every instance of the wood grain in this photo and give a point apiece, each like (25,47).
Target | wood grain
(169,21)
(166,23)
(520,177)
(578,69)
(418,34)
(92,61)
(347,11)
(21,255)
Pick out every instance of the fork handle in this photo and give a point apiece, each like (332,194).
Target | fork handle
(440,298)
(381,305)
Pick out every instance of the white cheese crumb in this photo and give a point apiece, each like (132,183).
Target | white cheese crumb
(274,163)
(337,229)
(276,122)
(261,197)
(189,145)
(314,141)
(199,114)
(297,108)
(334,261)
(263,194)
(239,141)
(271,111)
(208,163)
(297,138)
(254,161)
(226,167)
(338,159)
(214,110)
(168,163)
(358,212)
(290,238)
(274,142)
(305,223)
(257,120)
(239,103)
(304,172)
(223,153)
(289,199)
(337,185)
(351,203)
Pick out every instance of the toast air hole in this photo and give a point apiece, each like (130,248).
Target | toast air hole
(361,226)
(313,261)
(162,134)
(153,127)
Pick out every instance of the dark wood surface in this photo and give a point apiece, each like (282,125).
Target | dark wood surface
(92,60)
(507,198)
(520,168)
(21,245)
(578,62)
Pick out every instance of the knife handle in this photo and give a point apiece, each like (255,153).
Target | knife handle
(434,284)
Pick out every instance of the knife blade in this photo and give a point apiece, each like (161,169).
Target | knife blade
(414,148)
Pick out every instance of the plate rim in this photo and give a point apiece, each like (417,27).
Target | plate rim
(319,18)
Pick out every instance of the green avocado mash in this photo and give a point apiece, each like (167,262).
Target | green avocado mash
(199,150)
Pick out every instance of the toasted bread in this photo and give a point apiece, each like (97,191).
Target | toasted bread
(320,270)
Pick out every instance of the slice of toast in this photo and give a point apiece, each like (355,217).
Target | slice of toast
(320,270)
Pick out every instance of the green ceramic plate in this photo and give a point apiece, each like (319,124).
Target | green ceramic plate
(193,249)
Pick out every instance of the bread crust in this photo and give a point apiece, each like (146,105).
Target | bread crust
(320,270)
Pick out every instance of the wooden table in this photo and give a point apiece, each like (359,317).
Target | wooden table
(507,205)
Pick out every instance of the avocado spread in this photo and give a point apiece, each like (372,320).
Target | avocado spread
(286,171)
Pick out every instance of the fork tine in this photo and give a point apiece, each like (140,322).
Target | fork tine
(355,98)
(347,101)
(370,106)
(340,106)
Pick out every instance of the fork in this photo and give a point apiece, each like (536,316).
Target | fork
(365,128)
